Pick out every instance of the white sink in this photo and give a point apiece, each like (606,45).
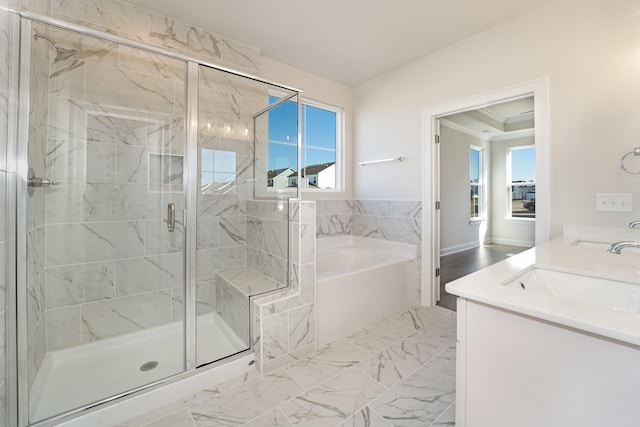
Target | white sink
(602,245)
(594,291)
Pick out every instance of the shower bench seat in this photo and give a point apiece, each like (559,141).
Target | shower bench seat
(234,287)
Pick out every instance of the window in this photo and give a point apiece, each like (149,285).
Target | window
(475,174)
(521,179)
(321,144)
(218,171)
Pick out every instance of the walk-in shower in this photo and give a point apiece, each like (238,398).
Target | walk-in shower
(118,265)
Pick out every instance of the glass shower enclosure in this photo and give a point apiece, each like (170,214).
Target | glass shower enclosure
(136,167)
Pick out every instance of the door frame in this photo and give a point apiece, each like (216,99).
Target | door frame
(431,172)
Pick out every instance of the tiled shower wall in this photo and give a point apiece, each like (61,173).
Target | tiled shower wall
(105,147)
(284,322)
(4,108)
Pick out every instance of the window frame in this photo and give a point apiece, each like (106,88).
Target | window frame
(481,185)
(340,137)
(510,186)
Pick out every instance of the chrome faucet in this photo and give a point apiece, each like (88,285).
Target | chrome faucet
(634,224)
(617,247)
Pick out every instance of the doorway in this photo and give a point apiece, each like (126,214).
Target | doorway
(485,204)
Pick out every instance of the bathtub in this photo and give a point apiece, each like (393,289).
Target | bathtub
(360,280)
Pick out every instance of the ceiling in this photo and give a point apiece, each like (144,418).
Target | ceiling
(502,120)
(348,41)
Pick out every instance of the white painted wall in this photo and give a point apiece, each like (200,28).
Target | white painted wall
(589,49)
(507,231)
(326,91)
(456,231)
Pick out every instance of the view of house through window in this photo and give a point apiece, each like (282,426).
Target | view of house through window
(320,142)
(522,179)
(475,174)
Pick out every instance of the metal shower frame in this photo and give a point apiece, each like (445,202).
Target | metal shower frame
(17,168)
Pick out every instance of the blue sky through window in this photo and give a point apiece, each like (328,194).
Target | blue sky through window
(318,133)
(523,164)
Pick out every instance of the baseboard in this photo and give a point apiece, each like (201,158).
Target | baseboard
(459,248)
(512,242)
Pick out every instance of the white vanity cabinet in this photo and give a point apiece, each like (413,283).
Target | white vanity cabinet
(517,370)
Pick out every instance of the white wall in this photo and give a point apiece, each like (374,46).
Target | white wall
(589,49)
(456,232)
(326,91)
(503,230)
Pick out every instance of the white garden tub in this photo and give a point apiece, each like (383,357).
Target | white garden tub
(360,280)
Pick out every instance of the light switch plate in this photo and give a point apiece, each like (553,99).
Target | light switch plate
(614,202)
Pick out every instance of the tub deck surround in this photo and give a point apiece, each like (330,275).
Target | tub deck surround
(487,286)
(360,280)
(394,372)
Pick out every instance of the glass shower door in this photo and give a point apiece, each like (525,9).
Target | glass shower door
(103,291)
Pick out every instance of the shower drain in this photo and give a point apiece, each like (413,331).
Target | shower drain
(147,366)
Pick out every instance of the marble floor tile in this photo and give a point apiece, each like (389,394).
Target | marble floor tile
(417,401)
(392,365)
(333,401)
(274,418)
(380,335)
(432,341)
(419,316)
(445,362)
(447,419)
(444,327)
(327,362)
(246,402)
(366,417)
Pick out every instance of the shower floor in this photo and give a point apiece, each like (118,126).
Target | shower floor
(78,376)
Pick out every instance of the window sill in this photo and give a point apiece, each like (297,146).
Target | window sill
(519,220)
(477,220)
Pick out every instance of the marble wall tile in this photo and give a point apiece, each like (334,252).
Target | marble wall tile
(65,160)
(219,108)
(66,79)
(3,354)
(151,64)
(208,232)
(119,316)
(35,302)
(2,278)
(275,210)
(36,350)
(79,283)
(36,250)
(90,49)
(267,264)
(151,273)
(333,225)
(211,260)
(335,207)
(132,164)
(130,20)
(275,336)
(63,327)
(268,235)
(407,209)
(63,203)
(205,300)
(365,226)
(232,231)
(38,6)
(302,327)
(91,242)
(407,230)
(233,309)
(135,90)
(219,205)
(373,207)
(67,119)
(157,240)
(118,202)
(117,127)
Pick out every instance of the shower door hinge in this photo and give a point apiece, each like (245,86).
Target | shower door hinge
(438,272)
(437,205)
(437,138)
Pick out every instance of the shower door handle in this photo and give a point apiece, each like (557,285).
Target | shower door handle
(171,217)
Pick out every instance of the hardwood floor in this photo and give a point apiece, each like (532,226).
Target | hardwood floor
(460,264)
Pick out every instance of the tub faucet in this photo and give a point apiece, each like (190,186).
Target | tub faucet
(634,224)
(617,247)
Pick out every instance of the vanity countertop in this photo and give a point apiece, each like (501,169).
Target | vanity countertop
(562,254)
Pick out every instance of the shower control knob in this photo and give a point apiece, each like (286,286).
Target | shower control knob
(41,182)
